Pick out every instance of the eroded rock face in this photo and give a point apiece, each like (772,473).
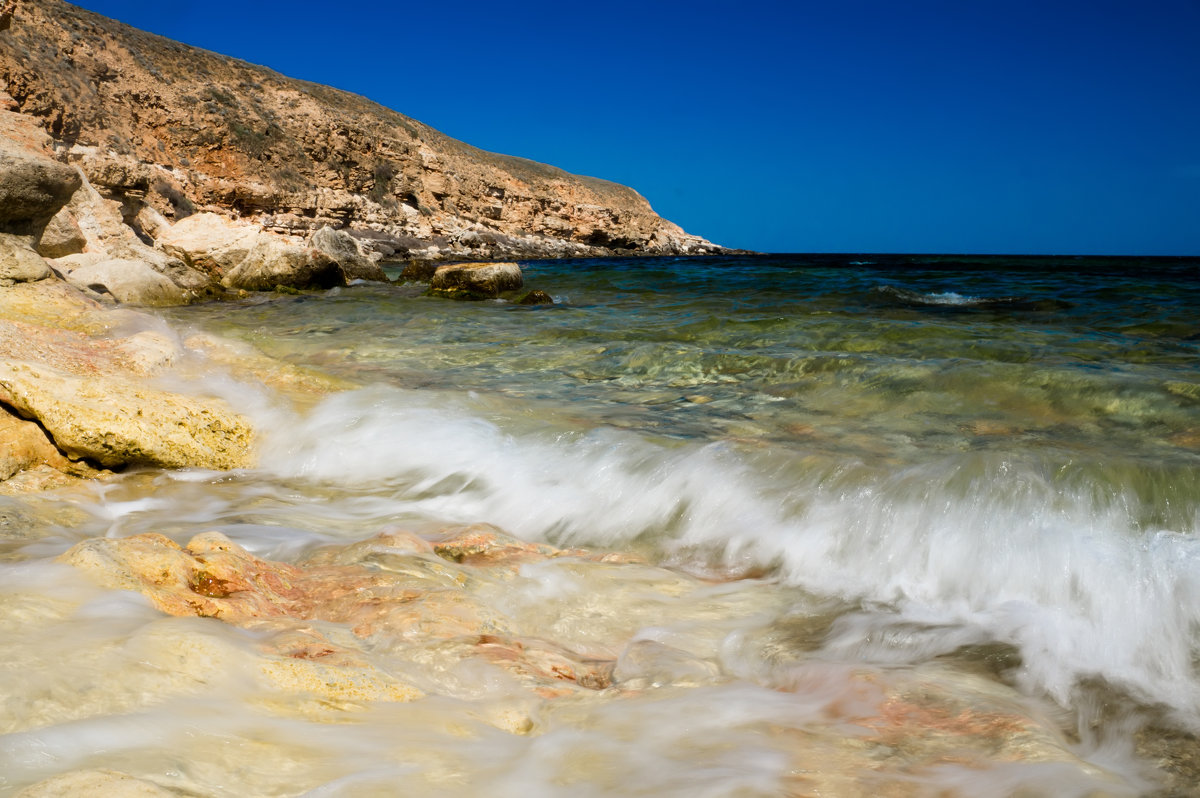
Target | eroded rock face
(61,236)
(476,280)
(214,133)
(32,188)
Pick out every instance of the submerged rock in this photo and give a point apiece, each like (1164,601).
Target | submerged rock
(95,784)
(536,297)
(476,280)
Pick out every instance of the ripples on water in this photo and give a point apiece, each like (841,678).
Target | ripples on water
(981,465)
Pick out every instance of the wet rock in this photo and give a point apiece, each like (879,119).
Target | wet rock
(19,263)
(418,271)
(24,445)
(116,421)
(536,297)
(94,784)
(32,188)
(345,250)
(475,280)
(53,303)
(433,619)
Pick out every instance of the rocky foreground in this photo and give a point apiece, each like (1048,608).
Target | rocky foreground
(135,171)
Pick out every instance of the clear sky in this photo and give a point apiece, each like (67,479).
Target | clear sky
(838,126)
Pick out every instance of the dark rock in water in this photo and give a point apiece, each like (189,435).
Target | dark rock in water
(418,271)
(476,280)
(536,297)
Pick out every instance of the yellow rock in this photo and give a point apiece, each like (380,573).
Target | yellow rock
(116,421)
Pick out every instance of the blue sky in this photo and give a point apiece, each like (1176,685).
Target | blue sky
(854,126)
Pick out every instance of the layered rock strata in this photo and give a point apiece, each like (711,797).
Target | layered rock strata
(154,123)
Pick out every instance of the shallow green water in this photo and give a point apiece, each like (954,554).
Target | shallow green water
(913,468)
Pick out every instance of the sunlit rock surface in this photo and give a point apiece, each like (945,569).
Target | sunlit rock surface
(476,280)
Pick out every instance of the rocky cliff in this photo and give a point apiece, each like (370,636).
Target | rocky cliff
(153,122)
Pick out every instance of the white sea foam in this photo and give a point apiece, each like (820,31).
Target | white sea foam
(952,553)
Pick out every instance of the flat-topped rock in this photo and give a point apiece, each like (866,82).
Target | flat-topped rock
(476,280)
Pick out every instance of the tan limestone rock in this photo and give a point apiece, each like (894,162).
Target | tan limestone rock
(32,188)
(341,246)
(24,446)
(132,282)
(94,784)
(116,421)
(19,263)
(61,236)
(274,261)
(476,280)
(53,303)
(208,242)
(100,225)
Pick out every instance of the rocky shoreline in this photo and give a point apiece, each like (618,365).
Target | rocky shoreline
(150,122)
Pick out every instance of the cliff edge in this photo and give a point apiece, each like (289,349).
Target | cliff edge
(151,122)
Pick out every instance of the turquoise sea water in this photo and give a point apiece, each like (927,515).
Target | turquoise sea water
(986,464)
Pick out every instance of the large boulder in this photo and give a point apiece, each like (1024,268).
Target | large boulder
(115,421)
(476,280)
(32,189)
(245,257)
(18,262)
(208,242)
(132,282)
(343,248)
(275,261)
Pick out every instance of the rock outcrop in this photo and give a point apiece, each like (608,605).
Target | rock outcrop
(476,280)
(152,122)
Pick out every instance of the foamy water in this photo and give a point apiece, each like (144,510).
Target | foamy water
(846,497)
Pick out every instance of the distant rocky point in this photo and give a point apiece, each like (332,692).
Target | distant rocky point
(162,131)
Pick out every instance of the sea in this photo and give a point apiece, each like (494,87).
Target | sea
(882,505)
